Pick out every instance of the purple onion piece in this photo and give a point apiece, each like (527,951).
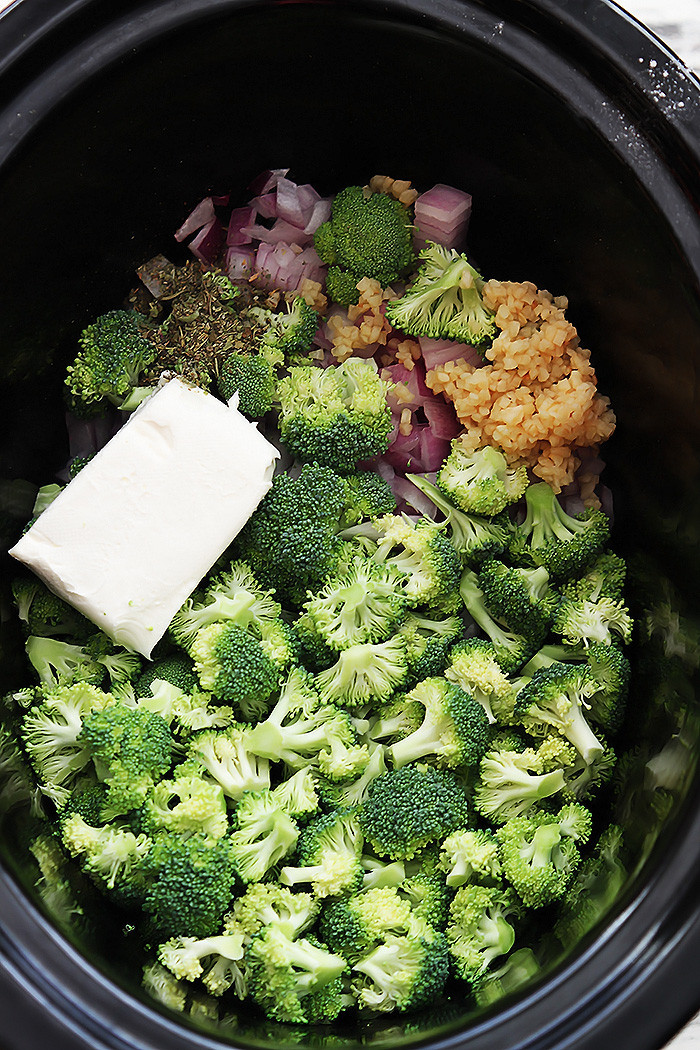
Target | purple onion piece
(206,245)
(240,221)
(200,216)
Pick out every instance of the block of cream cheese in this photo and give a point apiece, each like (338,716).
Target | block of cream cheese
(134,532)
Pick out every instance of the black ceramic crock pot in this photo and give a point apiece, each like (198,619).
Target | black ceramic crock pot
(578,135)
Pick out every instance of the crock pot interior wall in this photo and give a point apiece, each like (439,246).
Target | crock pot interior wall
(338,93)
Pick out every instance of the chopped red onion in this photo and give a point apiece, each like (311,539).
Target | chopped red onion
(320,213)
(442,419)
(241,219)
(265,264)
(433,450)
(436,352)
(267,180)
(281,230)
(202,215)
(289,205)
(240,263)
(207,244)
(222,201)
(443,206)
(266,205)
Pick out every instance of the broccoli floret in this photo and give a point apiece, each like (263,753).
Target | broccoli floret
(481,481)
(113,856)
(363,605)
(365,674)
(114,351)
(539,852)
(349,794)
(186,804)
(594,889)
(341,286)
(190,881)
(512,782)
(428,636)
(548,536)
(232,664)
(226,756)
(287,334)
(297,795)
(557,697)
(470,856)
(354,926)
(583,779)
(512,647)
(479,929)
(269,904)
(403,972)
(164,987)
(131,749)
(369,496)
(519,597)
(611,670)
(87,801)
(422,553)
(44,614)
(407,809)
(292,541)
(54,884)
(335,416)
(605,578)
(473,666)
(473,536)
(288,978)
(62,663)
(176,669)
(367,235)
(328,856)
(51,734)
(253,378)
(454,730)
(425,889)
(581,621)
(121,665)
(233,596)
(264,834)
(444,300)
(396,720)
(214,960)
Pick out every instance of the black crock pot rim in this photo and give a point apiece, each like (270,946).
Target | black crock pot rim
(641,933)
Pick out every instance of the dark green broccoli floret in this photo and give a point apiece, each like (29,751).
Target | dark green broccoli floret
(131,749)
(44,614)
(425,889)
(369,496)
(353,926)
(454,730)
(409,808)
(114,351)
(512,645)
(288,334)
(480,928)
(336,416)
(328,856)
(77,464)
(470,856)
(605,578)
(472,664)
(473,536)
(539,852)
(444,300)
(367,235)
(611,670)
(403,972)
(189,884)
(232,664)
(557,698)
(341,286)
(548,536)
(428,636)
(269,904)
(519,597)
(253,378)
(176,669)
(481,481)
(364,604)
(293,980)
(291,541)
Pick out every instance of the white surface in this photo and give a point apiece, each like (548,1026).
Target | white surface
(131,536)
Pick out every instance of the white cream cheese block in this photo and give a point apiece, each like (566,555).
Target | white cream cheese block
(131,536)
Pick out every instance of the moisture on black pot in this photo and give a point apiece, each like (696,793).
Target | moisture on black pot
(578,136)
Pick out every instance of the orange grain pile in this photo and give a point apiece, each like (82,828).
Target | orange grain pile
(366,326)
(537,398)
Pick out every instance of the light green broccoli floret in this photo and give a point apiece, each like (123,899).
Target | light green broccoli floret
(186,804)
(403,972)
(214,960)
(288,978)
(470,856)
(473,666)
(539,852)
(454,730)
(481,481)
(328,856)
(112,855)
(264,835)
(479,930)
(269,904)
